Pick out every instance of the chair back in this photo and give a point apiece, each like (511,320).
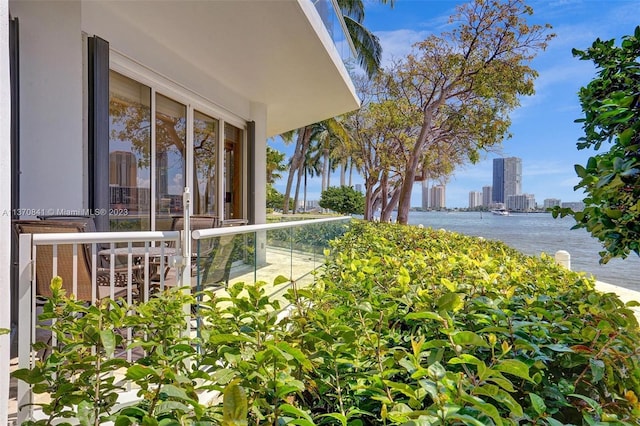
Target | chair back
(65,260)
(215,266)
(196,222)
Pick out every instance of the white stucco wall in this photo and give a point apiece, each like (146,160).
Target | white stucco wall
(125,38)
(5,206)
(51,85)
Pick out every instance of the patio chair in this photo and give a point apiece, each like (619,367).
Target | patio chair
(65,262)
(214,267)
(197,222)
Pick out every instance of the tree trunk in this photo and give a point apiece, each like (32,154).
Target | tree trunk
(391,205)
(404,203)
(368,200)
(304,197)
(294,166)
(325,167)
(297,159)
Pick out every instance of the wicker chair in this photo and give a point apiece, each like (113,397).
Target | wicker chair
(65,262)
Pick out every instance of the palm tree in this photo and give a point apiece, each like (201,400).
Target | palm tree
(367,46)
(368,53)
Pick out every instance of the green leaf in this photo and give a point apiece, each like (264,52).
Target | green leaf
(468,338)
(108,340)
(281,279)
(449,302)
(423,315)
(234,405)
(174,392)
(537,403)
(597,369)
(515,368)
(340,417)
(297,354)
(149,421)
(137,372)
(86,414)
(483,406)
(295,411)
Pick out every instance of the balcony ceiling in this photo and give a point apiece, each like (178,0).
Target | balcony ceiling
(270,52)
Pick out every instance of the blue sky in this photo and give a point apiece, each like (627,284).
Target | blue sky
(543,128)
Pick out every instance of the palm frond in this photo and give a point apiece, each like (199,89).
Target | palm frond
(367,46)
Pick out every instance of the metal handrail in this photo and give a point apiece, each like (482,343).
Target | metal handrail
(105,237)
(246,229)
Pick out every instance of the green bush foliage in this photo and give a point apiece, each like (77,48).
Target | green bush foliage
(342,199)
(611,179)
(431,327)
(406,326)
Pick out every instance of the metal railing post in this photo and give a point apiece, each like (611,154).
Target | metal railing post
(26,312)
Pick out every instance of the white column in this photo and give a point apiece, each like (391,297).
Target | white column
(5,209)
(259,116)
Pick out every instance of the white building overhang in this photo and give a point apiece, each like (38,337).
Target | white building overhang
(275,53)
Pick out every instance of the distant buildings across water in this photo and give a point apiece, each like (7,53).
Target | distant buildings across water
(506,191)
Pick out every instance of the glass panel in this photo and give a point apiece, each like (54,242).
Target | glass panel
(233,199)
(334,23)
(205,142)
(171,118)
(129,153)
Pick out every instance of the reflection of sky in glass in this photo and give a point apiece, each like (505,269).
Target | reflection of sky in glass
(333,23)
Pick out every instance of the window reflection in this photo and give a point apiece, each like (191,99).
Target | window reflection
(205,141)
(129,153)
(171,118)
(233,199)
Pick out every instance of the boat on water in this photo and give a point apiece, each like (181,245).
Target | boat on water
(500,212)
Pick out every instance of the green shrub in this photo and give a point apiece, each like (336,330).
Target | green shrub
(427,326)
(406,326)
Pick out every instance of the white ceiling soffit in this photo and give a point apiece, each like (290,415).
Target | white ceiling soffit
(274,52)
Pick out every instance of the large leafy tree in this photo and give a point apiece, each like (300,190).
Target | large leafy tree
(611,180)
(440,106)
(464,83)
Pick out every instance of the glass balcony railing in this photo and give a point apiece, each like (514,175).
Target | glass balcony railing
(332,18)
(288,251)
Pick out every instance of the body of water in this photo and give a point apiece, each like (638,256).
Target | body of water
(536,233)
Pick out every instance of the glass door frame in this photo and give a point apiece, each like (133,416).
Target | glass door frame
(193,102)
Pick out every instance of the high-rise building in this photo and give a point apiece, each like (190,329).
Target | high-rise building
(551,202)
(438,197)
(475,199)
(577,206)
(487,194)
(123,169)
(425,195)
(507,178)
(521,202)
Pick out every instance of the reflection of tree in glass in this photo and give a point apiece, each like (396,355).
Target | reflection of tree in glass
(130,122)
(205,133)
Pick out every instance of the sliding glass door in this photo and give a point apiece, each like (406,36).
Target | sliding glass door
(148,167)
(129,154)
